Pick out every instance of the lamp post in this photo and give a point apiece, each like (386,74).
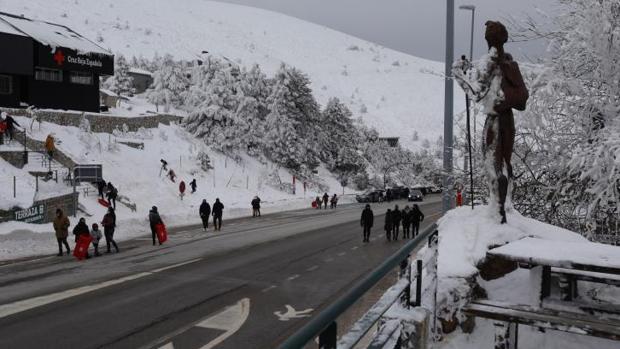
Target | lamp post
(471,8)
(448,197)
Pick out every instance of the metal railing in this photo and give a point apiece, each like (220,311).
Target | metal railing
(324,324)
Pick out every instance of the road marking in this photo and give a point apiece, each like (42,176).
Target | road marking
(312,268)
(291,313)
(27,304)
(268,288)
(293,277)
(341,254)
(354,248)
(230,319)
(175,265)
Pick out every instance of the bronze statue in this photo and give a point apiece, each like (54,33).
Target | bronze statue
(497,84)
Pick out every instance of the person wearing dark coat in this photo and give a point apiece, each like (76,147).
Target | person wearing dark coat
(109,225)
(416,217)
(334,201)
(366,222)
(101,188)
(154,219)
(388,224)
(193,185)
(388,195)
(205,212)
(256,207)
(325,200)
(112,194)
(218,209)
(10,126)
(396,218)
(81,229)
(318,202)
(61,227)
(406,222)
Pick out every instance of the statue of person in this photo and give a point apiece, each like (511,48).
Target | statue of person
(496,83)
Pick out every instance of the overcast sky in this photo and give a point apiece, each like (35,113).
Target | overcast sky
(412,26)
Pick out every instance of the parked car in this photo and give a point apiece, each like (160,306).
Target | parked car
(435,190)
(421,189)
(399,192)
(371,196)
(415,195)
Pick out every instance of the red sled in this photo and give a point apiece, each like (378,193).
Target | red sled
(162,234)
(104,203)
(81,246)
(313,204)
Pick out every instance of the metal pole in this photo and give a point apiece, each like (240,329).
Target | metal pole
(448,199)
(471,41)
(14,187)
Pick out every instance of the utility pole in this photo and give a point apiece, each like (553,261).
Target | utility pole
(448,197)
(471,8)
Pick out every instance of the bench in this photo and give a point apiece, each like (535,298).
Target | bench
(509,316)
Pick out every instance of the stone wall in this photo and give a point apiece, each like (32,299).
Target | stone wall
(39,146)
(66,202)
(98,122)
(15,158)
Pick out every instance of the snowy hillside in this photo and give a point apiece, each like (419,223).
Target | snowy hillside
(391,91)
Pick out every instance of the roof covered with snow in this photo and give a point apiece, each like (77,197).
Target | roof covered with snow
(49,34)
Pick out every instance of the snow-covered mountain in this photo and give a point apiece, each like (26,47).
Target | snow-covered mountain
(392,91)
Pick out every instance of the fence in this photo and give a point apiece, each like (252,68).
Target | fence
(324,325)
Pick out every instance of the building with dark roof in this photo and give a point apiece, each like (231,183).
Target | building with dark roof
(48,65)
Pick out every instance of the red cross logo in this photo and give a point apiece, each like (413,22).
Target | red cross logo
(59,57)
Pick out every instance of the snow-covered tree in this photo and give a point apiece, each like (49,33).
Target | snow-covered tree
(169,84)
(121,83)
(567,144)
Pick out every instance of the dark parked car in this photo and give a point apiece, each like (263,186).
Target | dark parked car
(371,196)
(399,192)
(415,195)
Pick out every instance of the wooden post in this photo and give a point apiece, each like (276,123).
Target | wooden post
(545,289)
(505,335)
(14,187)
(36,181)
(328,338)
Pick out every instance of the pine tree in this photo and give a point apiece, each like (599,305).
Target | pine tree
(169,85)
(121,83)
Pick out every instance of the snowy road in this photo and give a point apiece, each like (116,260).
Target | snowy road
(247,287)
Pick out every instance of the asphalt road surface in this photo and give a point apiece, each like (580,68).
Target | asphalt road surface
(249,286)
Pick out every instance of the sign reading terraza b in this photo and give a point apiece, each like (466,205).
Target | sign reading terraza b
(34,214)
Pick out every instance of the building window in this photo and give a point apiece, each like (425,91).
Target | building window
(6,85)
(45,74)
(78,77)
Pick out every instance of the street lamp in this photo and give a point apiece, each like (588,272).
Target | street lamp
(448,127)
(471,8)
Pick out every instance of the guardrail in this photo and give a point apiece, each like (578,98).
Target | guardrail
(324,324)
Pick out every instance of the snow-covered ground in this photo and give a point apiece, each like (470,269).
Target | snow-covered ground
(394,92)
(464,238)
(136,174)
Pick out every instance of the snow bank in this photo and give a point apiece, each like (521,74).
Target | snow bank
(465,236)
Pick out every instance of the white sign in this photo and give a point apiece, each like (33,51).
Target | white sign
(32,214)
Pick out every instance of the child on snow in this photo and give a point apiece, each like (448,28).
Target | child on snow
(95,233)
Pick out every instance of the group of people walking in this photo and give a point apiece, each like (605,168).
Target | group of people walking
(61,227)
(318,202)
(205,212)
(410,219)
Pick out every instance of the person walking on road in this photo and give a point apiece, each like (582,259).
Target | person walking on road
(416,217)
(334,201)
(406,222)
(61,227)
(205,212)
(193,185)
(154,219)
(396,218)
(95,233)
(109,225)
(81,229)
(318,202)
(256,207)
(388,224)
(325,200)
(366,222)
(218,209)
